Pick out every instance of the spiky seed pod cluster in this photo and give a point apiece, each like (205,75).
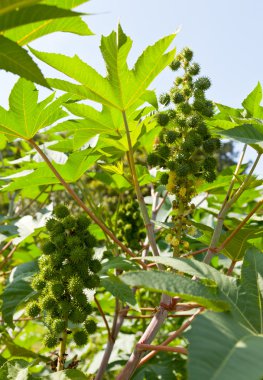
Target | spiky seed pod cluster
(130,224)
(185,147)
(66,268)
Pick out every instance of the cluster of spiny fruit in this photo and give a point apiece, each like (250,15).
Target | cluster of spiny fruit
(66,268)
(185,148)
(130,224)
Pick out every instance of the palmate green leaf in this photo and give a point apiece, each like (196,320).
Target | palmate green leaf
(252,102)
(14,295)
(15,59)
(177,285)
(16,369)
(245,133)
(118,289)
(220,348)
(26,116)
(10,5)
(27,33)
(122,87)
(34,13)
(71,171)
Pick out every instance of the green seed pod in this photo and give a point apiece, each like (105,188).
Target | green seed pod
(202,130)
(209,145)
(194,69)
(58,229)
(89,240)
(164,178)
(210,176)
(172,115)
(182,170)
(210,163)
(187,54)
(83,222)
(178,81)
(69,222)
(33,309)
(58,325)
(95,266)
(185,108)
(163,151)
(73,241)
(61,211)
(50,224)
(175,65)
(49,273)
(38,283)
(57,289)
(162,119)
(90,326)
(80,300)
(50,341)
(65,307)
(187,92)
(164,99)
(181,121)
(92,282)
(177,97)
(195,138)
(75,285)
(199,104)
(193,121)
(48,248)
(48,302)
(77,255)
(202,83)
(171,136)
(59,240)
(77,315)
(188,146)
(171,165)
(208,109)
(152,159)
(80,338)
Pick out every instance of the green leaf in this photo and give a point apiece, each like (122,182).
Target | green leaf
(118,289)
(177,285)
(220,348)
(245,133)
(34,13)
(18,290)
(15,59)
(16,369)
(118,263)
(26,116)
(252,102)
(122,88)
(10,5)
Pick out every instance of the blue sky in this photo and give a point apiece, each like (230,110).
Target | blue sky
(226,37)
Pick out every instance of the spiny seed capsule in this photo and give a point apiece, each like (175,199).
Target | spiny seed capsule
(57,289)
(50,224)
(33,309)
(171,136)
(164,151)
(178,97)
(202,130)
(58,325)
(210,163)
(193,120)
(164,178)
(182,170)
(83,222)
(162,119)
(69,222)
(48,248)
(152,159)
(77,315)
(202,83)
(210,145)
(95,266)
(38,283)
(50,341)
(194,69)
(171,114)
(175,65)
(164,99)
(210,176)
(48,302)
(185,108)
(80,337)
(75,285)
(187,54)
(90,326)
(61,211)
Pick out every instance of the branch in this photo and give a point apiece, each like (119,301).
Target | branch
(81,203)
(150,347)
(103,317)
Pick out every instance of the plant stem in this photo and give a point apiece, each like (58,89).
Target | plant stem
(228,202)
(62,351)
(230,269)
(173,336)
(157,348)
(103,317)
(81,203)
